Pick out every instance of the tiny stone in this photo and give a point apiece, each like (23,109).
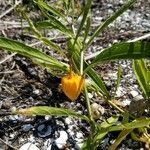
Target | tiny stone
(27,127)
(70,132)
(31,138)
(78,146)
(79,135)
(13,109)
(97,110)
(29,146)
(12,136)
(48,144)
(138,98)
(134,93)
(126,102)
(47,117)
(90,95)
(119,92)
(68,121)
(37,91)
(62,140)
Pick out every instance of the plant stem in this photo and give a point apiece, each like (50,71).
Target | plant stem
(92,122)
(112,104)
(88,103)
(115,106)
(81,63)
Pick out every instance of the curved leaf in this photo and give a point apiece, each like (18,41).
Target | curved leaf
(50,9)
(33,53)
(143,76)
(54,24)
(113,17)
(45,110)
(133,50)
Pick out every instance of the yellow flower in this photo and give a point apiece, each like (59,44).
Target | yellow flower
(72,85)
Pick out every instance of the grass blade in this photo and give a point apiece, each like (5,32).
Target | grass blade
(119,139)
(110,20)
(33,53)
(134,50)
(85,14)
(50,9)
(53,111)
(142,74)
(54,23)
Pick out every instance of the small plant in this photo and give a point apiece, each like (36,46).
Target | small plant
(65,19)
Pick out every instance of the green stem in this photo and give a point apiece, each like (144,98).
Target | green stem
(88,104)
(112,104)
(81,63)
(92,122)
(115,106)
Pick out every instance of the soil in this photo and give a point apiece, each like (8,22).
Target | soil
(24,84)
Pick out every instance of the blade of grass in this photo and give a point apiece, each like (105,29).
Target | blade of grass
(119,139)
(45,110)
(133,50)
(39,35)
(50,9)
(87,29)
(142,74)
(85,14)
(33,53)
(53,23)
(109,21)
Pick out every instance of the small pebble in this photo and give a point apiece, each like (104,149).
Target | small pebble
(27,127)
(47,144)
(97,110)
(119,92)
(68,121)
(79,135)
(90,95)
(78,146)
(134,93)
(37,91)
(126,102)
(29,146)
(62,140)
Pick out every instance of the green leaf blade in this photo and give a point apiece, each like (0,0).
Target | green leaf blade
(100,28)
(53,111)
(30,52)
(142,74)
(133,50)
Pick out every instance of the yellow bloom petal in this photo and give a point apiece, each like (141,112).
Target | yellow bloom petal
(72,85)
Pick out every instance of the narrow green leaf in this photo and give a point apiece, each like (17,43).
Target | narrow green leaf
(50,9)
(104,125)
(142,74)
(109,122)
(134,50)
(87,28)
(99,82)
(85,14)
(45,110)
(33,53)
(39,35)
(54,23)
(138,123)
(100,28)
(119,139)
